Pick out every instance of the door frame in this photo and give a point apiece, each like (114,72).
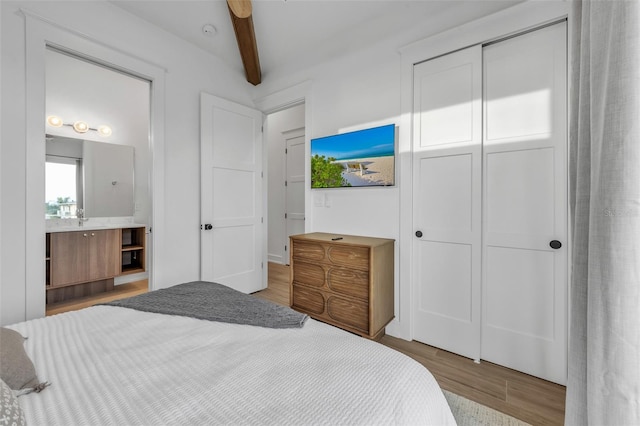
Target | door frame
(505,23)
(41,33)
(279,100)
(276,173)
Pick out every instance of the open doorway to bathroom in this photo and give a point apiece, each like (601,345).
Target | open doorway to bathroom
(98,125)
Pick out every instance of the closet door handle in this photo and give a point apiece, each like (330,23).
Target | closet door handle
(555,244)
(419,234)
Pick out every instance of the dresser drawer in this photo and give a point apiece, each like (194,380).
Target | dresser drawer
(307,300)
(348,281)
(353,257)
(343,255)
(304,250)
(308,274)
(350,312)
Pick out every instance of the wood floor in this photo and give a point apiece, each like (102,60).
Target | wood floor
(119,292)
(527,398)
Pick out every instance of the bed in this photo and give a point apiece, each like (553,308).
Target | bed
(122,366)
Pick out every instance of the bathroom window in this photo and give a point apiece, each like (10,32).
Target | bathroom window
(63,189)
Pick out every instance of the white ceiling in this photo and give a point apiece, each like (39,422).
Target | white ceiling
(290,30)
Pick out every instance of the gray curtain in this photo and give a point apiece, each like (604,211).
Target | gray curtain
(604,346)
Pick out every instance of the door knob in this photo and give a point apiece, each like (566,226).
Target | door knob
(555,244)
(208,227)
(419,234)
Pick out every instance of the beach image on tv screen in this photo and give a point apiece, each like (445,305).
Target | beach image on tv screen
(361,158)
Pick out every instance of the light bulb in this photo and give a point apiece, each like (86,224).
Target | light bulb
(80,127)
(104,130)
(54,121)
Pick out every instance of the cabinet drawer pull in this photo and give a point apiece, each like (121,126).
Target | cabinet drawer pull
(84,235)
(93,234)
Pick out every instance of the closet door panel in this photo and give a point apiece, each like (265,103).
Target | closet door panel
(448,289)
(447,95)
(447,174)
(520,188)
(524,284)
(517,106)
(446,203)
(523,305)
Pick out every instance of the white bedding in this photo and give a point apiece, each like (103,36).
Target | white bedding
(110,365)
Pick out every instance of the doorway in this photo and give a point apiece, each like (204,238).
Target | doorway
(285,144)
(45,35)
(110,156)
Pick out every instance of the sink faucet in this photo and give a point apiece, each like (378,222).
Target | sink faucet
(81,218)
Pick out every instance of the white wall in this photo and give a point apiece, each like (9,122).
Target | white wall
(189,71)
(349,93)
(352,92)
(277,123)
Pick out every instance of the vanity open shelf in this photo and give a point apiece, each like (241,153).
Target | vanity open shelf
(133,250)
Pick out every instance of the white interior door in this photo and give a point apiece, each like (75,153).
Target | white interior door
(447,202)
(231,195)
(524,296)
(294,185)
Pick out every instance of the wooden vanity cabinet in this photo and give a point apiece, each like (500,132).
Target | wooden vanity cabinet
(83,263)
(84,256)
(343,280)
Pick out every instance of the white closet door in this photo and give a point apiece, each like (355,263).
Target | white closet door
(294,191)
(524,294)
(447,202)
(231,194)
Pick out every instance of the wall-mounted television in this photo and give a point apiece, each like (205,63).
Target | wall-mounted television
(355,159)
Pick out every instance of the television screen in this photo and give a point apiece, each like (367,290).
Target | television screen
(360,158)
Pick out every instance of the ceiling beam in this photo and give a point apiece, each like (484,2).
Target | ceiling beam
(241,8)
(240,12)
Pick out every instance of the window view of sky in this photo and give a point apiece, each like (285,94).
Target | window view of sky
(60,181)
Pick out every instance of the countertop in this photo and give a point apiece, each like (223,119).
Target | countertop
(92,227)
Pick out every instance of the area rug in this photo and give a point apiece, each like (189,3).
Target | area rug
(470,413)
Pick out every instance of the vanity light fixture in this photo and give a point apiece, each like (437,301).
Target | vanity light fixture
(104,130)
(54,121)
(79,126)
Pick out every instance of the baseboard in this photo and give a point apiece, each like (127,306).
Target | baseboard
(126,279)
(275,258)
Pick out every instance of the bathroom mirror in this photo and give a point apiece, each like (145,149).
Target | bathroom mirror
(94,176)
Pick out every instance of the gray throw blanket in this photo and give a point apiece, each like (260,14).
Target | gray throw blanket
(214,302)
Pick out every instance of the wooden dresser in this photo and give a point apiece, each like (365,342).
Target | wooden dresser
(346,282)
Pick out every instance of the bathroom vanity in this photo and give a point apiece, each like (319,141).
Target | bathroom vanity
(85,260)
